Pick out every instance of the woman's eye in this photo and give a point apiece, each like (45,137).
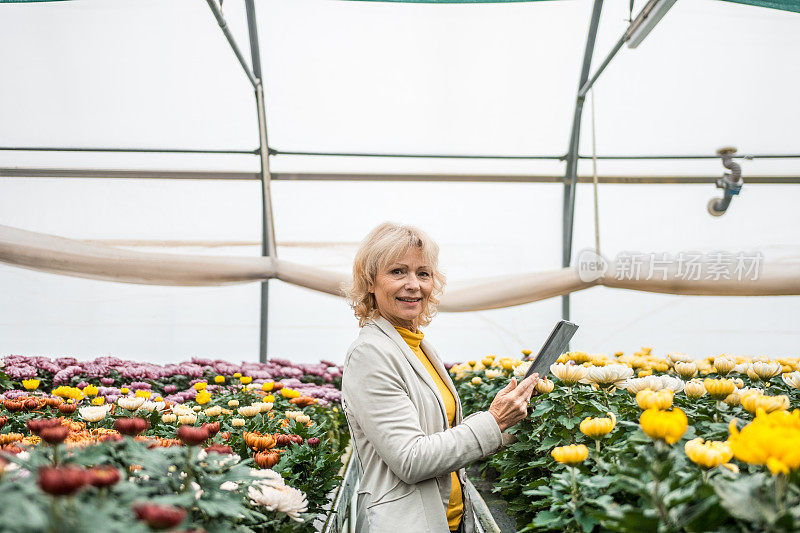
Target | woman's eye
(397,271)
(424,274)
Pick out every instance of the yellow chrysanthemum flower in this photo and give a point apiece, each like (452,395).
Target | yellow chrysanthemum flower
(267,387)
(598,427)
(647,399)
(143,393)
(219,379)
(30,384)
(719,389)
(708,454)
(200,385)
(68,393)
(203,397)
(754,401)
(245,379)
(90,390)
(98,401)
(771,439)
(237,374)
(668,426)
(571,454)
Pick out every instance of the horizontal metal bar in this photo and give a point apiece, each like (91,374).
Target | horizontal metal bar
(671,157)
(320,176)
(415,156)
(125,150)
(274,151)
(409,156)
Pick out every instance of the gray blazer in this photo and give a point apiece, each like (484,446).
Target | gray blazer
(401,436)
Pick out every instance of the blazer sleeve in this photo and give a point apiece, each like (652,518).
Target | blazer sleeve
(376,398)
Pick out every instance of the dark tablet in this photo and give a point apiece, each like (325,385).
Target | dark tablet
(556,344)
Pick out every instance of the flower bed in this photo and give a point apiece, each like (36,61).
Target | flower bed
(646,443)
(137,447)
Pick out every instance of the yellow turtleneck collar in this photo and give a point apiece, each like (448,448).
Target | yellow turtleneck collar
(411,338)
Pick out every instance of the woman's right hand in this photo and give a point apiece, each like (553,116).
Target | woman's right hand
(511,404)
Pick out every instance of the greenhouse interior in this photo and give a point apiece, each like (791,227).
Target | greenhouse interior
(187,189)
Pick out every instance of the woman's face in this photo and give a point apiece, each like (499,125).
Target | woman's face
(402,289)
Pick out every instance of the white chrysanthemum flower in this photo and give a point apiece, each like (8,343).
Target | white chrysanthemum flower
(686,370)
(229,485)
(179,410)
(131,403)
(676,357)
(672,383)
(13,467)
(609,375)
(265,406)
(792,379)
(695,389)
(284,499)
(569,374)
(764,370)
(519,371)
(93,413)
(493,373)
(750,390)
(655,384)
(223,460)
(267,477)
(187,419)
(214,411)
(153,406)
(544,386)
(168,418)
(636,385)
(249,411)
(724,365)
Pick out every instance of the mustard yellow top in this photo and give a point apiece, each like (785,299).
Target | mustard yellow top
(455,508)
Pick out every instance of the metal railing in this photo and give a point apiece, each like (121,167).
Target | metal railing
(341,518)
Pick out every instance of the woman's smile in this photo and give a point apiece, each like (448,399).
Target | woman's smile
(402,289)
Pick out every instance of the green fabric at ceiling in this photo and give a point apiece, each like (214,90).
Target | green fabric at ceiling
(785,5)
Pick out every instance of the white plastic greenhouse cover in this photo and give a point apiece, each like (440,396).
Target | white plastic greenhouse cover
(364,77)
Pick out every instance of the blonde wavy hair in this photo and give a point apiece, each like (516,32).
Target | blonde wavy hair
(385,244)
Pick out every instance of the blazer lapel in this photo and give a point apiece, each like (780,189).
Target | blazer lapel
(439,366)
(416,364)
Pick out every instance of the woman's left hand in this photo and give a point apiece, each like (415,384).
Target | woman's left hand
(511,403)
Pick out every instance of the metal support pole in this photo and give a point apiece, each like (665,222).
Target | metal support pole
(267,225)
(231,41)
(571,175)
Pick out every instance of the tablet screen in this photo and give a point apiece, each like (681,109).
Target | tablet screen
(556,344)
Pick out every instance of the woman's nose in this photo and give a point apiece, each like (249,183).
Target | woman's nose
(412,282)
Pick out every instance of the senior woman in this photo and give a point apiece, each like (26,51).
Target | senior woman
(402,408)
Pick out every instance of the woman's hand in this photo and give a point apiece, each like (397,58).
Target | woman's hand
(511,404)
